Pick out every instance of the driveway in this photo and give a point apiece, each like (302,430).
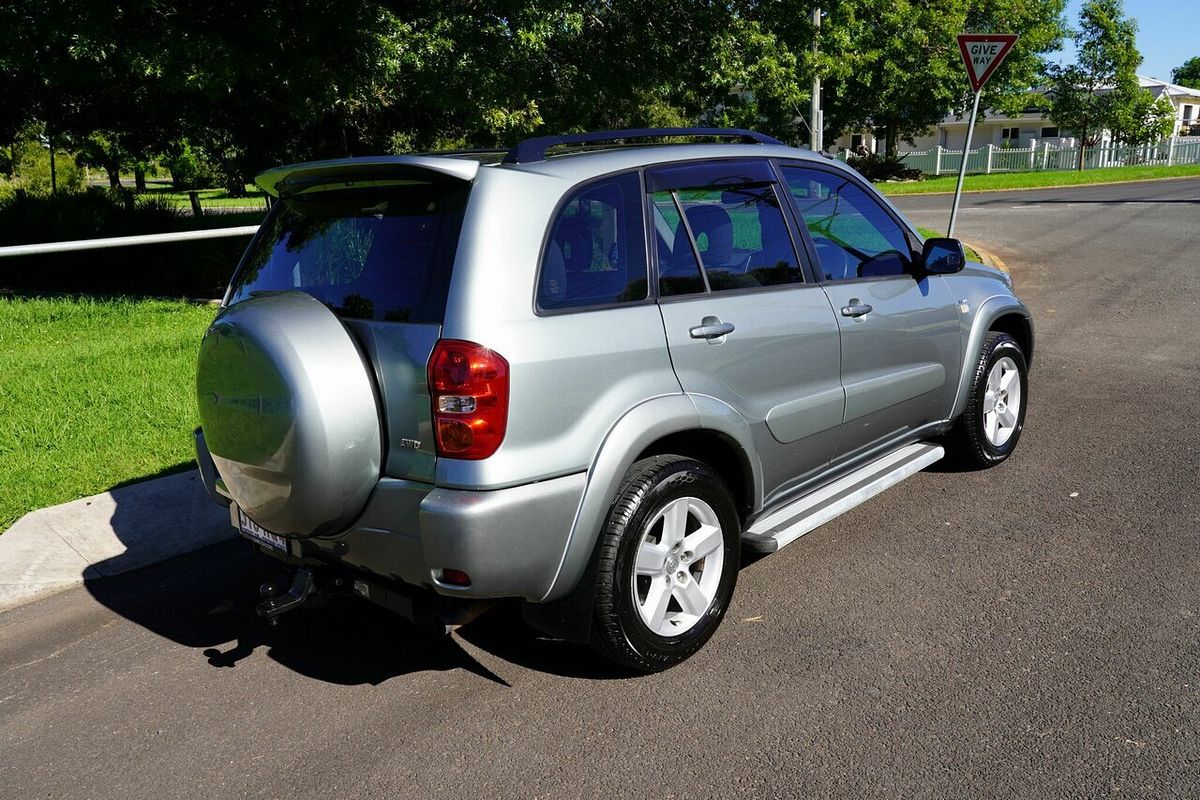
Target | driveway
(1027,631)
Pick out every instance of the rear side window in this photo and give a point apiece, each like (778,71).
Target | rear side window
(735,225)
(374,253)
(596,254)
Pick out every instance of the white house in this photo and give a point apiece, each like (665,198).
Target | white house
(1030,125)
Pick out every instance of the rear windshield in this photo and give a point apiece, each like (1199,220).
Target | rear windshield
(380,253)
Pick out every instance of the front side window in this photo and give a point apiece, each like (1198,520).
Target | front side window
(734,225)
(853,234)
(596,254)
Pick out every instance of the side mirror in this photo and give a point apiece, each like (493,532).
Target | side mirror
(943,256)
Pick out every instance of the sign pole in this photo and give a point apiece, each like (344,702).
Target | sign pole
(981,53)
(962,168)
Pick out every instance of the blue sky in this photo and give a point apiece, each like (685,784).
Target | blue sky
(1168,33)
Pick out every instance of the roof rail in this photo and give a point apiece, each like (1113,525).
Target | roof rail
(462,151)
(535,149)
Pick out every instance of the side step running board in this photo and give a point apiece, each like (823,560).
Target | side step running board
(785,525)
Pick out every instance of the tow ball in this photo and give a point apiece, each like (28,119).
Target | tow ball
(274,602)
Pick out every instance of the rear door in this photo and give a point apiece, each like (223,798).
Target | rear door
(380,257)
(743,324)
(900,330)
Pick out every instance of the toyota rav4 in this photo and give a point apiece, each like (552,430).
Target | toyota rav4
(586,373)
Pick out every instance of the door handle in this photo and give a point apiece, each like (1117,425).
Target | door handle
(856,308)
(711,330)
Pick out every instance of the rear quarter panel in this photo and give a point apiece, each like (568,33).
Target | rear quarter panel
(572,375)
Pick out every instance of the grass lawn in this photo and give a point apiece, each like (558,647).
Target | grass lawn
(211,197)
(930,233)
(1026,180)
(93,393)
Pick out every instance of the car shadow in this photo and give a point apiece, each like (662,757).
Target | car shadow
(205,599)
(503,633)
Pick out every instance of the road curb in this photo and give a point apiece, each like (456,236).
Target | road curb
(988,257)
(56,548)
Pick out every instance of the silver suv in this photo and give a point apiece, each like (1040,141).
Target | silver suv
(588,379)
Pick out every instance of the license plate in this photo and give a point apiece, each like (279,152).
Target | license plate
(255,531)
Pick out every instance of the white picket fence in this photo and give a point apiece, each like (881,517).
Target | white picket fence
(1046,156)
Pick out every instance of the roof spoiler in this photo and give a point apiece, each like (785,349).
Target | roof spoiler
(535,149)
(289,179)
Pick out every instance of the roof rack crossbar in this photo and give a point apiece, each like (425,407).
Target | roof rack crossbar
(535,149)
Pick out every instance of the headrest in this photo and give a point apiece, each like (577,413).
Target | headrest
(715,226)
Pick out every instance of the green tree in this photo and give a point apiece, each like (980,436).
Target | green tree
(896,67)
(241,86)
(1188,74)
(32,170)
(91,75)
(1101,90)
(1145,120)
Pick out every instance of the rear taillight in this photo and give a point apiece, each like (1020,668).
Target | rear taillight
(469,387)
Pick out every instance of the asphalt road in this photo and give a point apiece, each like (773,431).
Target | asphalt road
(1030,631)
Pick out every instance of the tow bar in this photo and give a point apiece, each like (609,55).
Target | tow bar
(275,602)
(420,608)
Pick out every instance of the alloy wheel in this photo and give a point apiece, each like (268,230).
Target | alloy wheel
(680,558)
(1002,401)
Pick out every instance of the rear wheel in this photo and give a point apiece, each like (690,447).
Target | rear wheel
(666,565)
(988,430)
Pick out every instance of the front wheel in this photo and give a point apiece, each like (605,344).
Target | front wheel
(990,425)
(667,563)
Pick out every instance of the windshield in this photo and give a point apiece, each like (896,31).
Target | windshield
(382,253)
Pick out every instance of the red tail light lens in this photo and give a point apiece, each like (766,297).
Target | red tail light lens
(468,384)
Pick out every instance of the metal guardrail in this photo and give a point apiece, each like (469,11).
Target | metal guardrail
(125,241)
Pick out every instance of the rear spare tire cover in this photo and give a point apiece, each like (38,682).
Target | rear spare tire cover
(289,413)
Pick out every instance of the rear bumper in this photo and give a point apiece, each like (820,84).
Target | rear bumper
(510,542)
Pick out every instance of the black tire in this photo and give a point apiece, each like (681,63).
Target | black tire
(618,631)
(967,443)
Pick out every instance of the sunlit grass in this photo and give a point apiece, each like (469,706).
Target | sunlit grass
(93,393)
(1031,180)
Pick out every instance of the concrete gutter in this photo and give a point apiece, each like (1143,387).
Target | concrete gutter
(56,548)
(988,257)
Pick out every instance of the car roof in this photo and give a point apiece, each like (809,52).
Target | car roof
(576,165)
(573,165)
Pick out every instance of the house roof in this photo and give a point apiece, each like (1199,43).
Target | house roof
(1159,88)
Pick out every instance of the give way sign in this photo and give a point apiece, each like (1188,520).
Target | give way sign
(982,53)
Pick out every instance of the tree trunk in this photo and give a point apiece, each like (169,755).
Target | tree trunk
(114,175)
(139,178)
(53,171)
(1082,145)
(893,140)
